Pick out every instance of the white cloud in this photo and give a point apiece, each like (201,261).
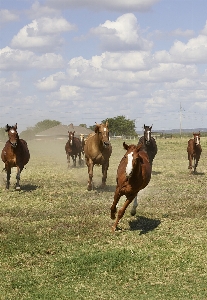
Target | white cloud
(51,82)
(115,5)
(8,86)
(7,16)
(37,10)
(184,33)
(14,59)
(121,35)
(195,51)
(42,34)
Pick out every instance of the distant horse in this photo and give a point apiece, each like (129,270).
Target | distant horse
(133,175)
(194,151)
(97,151)
(82,139)
(14,154)
(149,143)
(73,148)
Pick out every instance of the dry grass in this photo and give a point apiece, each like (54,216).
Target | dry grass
(56,241)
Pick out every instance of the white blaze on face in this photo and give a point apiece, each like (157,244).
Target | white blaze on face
(12,131)
(197,140)
(148,135)
(129,164)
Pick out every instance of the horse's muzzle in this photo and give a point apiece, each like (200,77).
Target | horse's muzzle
(13,144)
(106,144)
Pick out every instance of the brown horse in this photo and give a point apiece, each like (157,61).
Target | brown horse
(133,175)
(97,151)
(149,143)
(73,148)
(14,154)
(194,151)
(82,139)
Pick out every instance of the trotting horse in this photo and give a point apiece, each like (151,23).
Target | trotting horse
(149,143)
(14,154)
(150,146)
(194,151)
(97,151)
(133,175)
(73,148)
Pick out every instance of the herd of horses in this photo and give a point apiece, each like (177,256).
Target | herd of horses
(133,173)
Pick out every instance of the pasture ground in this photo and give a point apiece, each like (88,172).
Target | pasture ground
(56,240)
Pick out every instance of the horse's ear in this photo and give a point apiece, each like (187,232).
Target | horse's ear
(125,146)
(73,132)
(144,126)
(96,128)
(7,128)
(15,126)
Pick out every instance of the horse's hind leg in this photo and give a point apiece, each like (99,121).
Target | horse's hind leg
(134,207)
(104,174)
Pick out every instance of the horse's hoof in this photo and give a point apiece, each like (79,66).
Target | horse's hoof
(133,211)
(113,229)
(89,187)
(112,216)
(17,188)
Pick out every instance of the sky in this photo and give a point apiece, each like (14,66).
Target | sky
(83,61)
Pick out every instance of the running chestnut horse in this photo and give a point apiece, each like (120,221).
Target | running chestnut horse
(14,154)
(133,175)
(149,143)
(97,151)
(194,151)
(73,148)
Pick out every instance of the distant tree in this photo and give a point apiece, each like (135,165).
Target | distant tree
(121,126)
(83,125)
(3,134)
(28,134)
(44,125)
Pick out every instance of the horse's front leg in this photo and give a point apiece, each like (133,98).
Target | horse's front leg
(190,163)
(195,163)
(79,159)
(74,160)
(8,175)
(68,160)
(90,174)
(121,212)
(104,174)
(134,206)
(17,188)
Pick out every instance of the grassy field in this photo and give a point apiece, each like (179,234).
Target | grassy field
(56,240)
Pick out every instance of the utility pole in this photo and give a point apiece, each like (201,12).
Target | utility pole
(180,120)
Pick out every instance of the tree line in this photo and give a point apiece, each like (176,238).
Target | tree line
(118,126)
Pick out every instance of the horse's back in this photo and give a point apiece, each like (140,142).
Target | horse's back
(25,154)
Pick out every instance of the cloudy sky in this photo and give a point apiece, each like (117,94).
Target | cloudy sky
(83,61)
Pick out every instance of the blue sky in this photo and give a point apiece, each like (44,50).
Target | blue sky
(79,61)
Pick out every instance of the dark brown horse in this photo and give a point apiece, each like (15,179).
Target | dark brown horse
(133,175)
(73,148)
(194,151)
(14,154)
(97,151)
(149,143)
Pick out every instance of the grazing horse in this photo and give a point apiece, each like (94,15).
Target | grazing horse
(14,154)
(149,143)
(73,148)
(194,151)
(97,151)
(133,175)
